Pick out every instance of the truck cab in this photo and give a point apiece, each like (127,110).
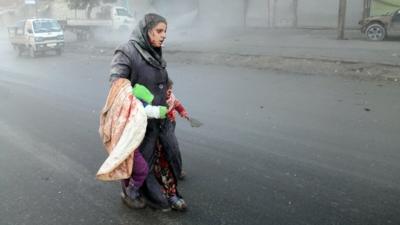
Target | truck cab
(37,35)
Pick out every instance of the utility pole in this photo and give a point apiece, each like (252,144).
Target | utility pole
(295,15)
(342,18)
(245,10)
(36,8)
(269,13)
(366,8)
(274,13)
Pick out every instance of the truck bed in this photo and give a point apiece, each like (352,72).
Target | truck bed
(15,37)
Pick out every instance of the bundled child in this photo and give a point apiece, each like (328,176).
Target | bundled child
(174,105)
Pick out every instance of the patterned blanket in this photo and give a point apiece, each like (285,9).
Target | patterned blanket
(123,124)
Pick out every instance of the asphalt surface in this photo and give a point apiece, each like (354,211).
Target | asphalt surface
(314,44)
(275,148)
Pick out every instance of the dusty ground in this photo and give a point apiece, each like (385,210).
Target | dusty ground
(351,70)
(294,51)
(293,65)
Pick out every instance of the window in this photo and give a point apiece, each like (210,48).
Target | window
(396,17)
(44,26)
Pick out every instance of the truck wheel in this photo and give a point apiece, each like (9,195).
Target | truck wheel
(19,50)
(82,35)
(79,36)
(32,52)
(375,32)
(58,52)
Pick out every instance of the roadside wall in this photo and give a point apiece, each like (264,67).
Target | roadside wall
(311,13)
(260,13)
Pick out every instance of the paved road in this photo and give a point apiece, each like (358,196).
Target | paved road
(297,43)
(275,148)
(289,43)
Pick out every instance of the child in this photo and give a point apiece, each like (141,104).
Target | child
(175,105)
(130,187)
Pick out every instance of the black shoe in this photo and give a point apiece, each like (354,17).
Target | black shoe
(134,203)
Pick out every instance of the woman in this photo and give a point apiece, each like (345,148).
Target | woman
(140,60)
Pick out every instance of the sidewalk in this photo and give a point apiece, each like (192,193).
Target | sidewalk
(294,43)
(307,51)
(289,43)
(303,51)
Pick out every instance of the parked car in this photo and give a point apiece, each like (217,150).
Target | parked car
(377,28)
(37,35)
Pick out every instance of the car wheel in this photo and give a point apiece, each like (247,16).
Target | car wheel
(32,52)
(375,32)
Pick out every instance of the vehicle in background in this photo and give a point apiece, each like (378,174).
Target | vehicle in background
(37,36)
(377,28)
(107,18)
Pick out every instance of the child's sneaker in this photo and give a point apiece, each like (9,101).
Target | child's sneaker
(177,203)
(182,175)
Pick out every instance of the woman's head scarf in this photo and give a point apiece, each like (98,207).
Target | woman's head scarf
(140,36)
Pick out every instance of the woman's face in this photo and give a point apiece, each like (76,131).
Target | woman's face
(158,34)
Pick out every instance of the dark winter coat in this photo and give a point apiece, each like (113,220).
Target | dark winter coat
(137,61)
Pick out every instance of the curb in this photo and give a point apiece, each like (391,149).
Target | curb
(301,65)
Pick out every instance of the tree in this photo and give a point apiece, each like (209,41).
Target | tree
(86,4)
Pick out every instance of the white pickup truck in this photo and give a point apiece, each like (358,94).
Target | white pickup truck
(37,35)
(107,18)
